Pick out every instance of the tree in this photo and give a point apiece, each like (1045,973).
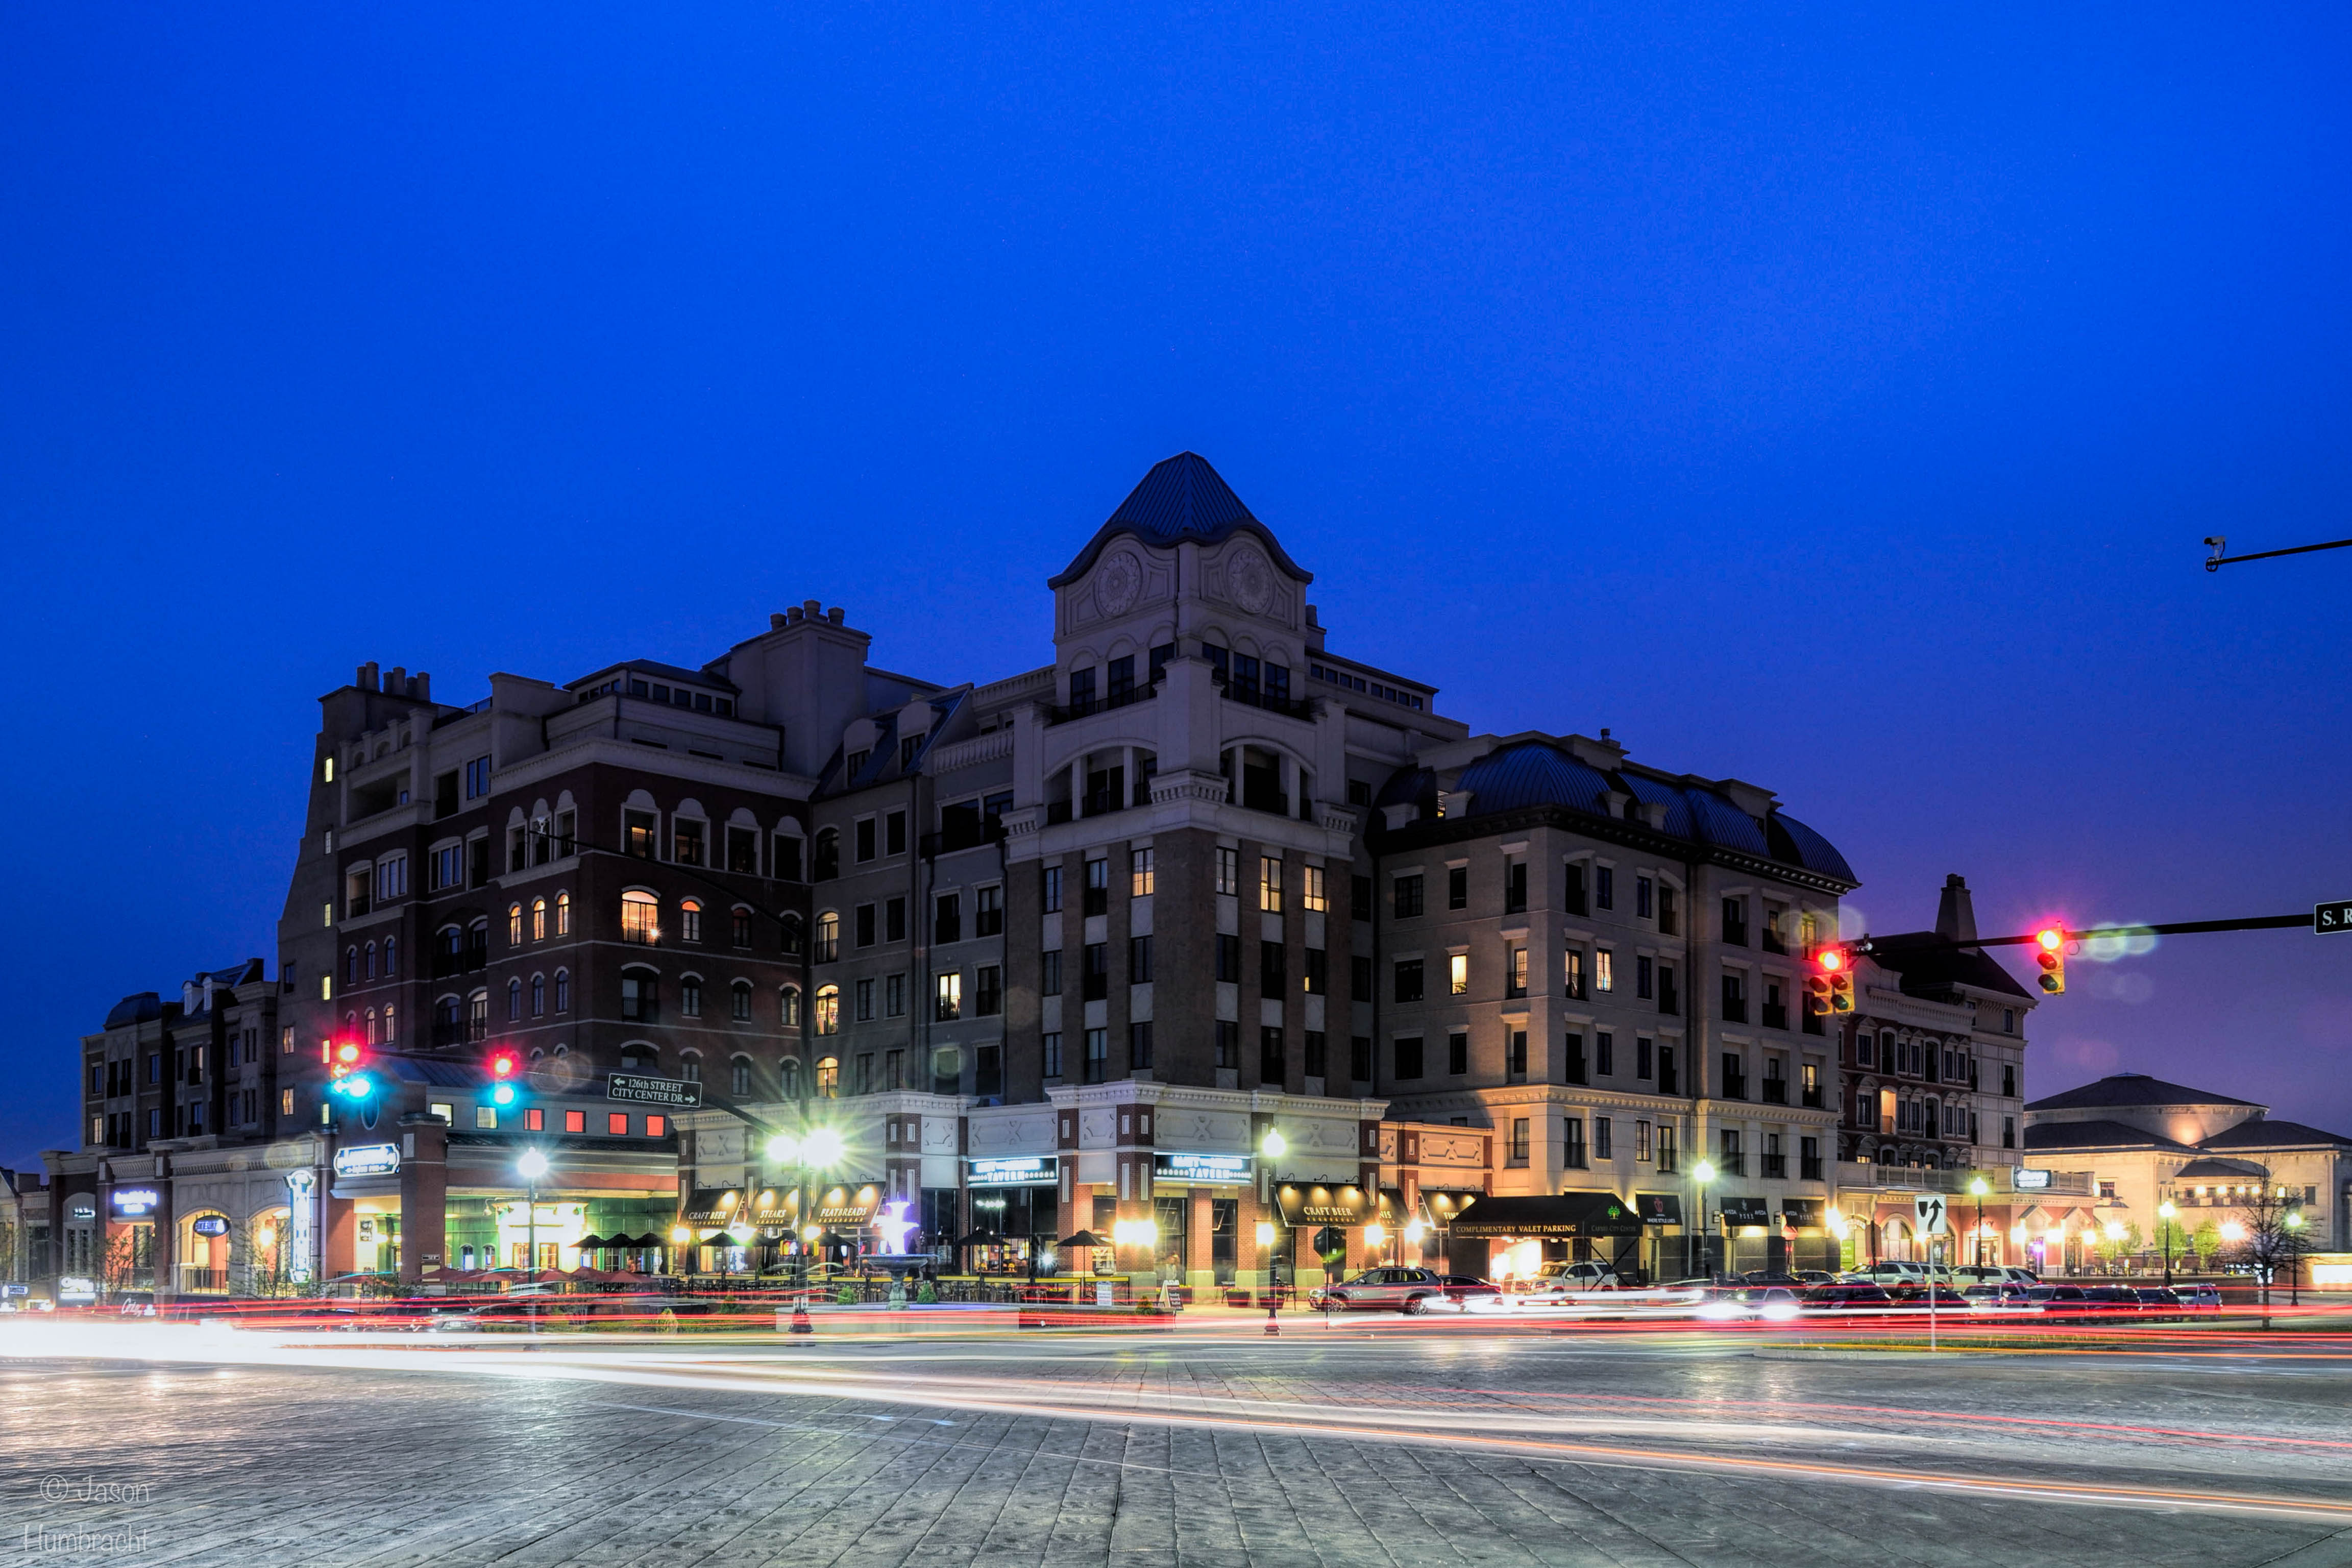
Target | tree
(2274,1237)
(2208,1242)
(2113,1248)
(2174,1242)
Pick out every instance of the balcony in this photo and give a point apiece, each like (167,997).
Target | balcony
(1731,1163)
(1735,1086)
(960,833)
(1810,1168)
(1295,707)
(464,960)
(1776,1167)
(1062,713)
(1735,1009)
(1666,1166)
(1775,1014)
(1775,1091)
(1811,1098)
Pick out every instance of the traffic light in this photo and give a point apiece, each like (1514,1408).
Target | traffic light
(2049,952)
(348,1074)
(506,1077)
(1829,987)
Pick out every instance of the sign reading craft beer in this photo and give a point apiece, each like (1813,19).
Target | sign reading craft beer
(1341,1206)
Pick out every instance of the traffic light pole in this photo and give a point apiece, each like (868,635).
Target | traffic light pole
(2215,562)
(2093,933)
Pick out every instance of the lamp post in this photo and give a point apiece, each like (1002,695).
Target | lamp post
(2292,1224)
(530,1167)
(818,1149)
(2164,1213)
(1977,1188)
(1270,1147)
(1701,1174)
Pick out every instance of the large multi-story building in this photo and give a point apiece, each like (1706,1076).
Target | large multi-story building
(1205,937)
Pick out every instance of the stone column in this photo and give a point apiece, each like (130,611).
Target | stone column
(423,1196)
(1200,1264)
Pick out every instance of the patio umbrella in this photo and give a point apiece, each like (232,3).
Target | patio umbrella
(1082,1239)
(979,1238)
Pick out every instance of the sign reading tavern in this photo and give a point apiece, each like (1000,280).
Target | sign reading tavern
(641,1091)
(1201,1170)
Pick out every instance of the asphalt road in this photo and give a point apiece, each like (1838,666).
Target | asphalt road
(1442,1445)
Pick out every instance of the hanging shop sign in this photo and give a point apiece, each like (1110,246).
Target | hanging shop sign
(1319,1206)
(209,1224)
(2026,1179)
(1013,1171)
(134,1203)
(368,1159)
(1201,1170)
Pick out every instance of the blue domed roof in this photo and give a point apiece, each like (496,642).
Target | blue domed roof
(1532,773)
(1181,497)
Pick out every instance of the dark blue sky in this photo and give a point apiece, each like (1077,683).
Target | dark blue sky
(1836,402)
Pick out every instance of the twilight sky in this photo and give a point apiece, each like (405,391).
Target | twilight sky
(1835,402)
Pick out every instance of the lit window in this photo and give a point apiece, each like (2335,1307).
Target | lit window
(656,1126)
(828,1078)
(563,914)
(575,1122)
(1139,873)
(1310,890)
(514,925)
(1457,974)
(828,937)
(539,920)
(689,921)
(616,1122)
(534,1121)
(1603,970)
(1269,885)
(1229,874)
(950,998)
(640,917)
(828,1009)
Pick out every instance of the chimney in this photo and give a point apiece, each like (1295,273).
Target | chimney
(1956,914)
(421,687)
(396,681)
(834,614)
(365,680)
(776,622)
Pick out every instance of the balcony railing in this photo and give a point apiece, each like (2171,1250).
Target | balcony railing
(1731,1164)
(961,832)
(1062,713)
(1295,706)
(1775,1014)
(1735,1086)
(1775,1166)
(1810,1170)
(1811,1098)
(1775,1091)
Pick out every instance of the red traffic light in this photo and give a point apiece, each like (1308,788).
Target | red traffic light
(347,1054)
(2052,938)
(1832,959)
(504,1064)
(2050,944)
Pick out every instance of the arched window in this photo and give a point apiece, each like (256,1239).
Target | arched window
(563,990)
(477,1017)
(514,925)
(740,1005)
(828,1076)
(563,914)
(689,996)
(640,917)
(739,930)
(788,1079)
(448,1018)
(689,921)
(828,1009)
(538,995)
(790,1007)
(390,1032)
(637,1058)
(392,958)
(828,937)
(788,940)
(689,1067)
(539,920)
(738,1077)
(369,964)
(826,861)
(371,1027)
(350,966)
(514,1001)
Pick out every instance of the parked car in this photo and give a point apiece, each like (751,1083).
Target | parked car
(2005,1296)
(2200,1293)
(1814,1277)
(1556,1283)
(1464,1293)
(2110,1298)
(1891,1272)
(2156,1296)
(2056,1298)
(1382,1290)
(1846,1298)
(1968,1274)
(1918,1295)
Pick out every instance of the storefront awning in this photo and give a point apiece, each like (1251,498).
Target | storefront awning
(1802,1213)
(711,1205)
(837,1207)
(1322,1205)
(1560,1214)
(1659,1208)
(1747,1211)
(1445,1202)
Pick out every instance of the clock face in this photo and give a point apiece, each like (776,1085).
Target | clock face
(1250,579)
(1118,583)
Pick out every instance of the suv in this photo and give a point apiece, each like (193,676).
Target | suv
(1389,1289)
(1889,1273)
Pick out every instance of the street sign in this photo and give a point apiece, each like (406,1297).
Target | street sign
(1929,1209)
(2328,919)
(640,1090)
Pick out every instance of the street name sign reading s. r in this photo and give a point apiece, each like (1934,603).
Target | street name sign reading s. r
(640,1090)
(2330,919)
(1929,1209)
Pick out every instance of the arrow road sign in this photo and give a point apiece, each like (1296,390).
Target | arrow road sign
(1930,1208)
(2327,918)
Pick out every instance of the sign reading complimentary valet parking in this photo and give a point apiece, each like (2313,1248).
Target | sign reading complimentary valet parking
(641,1091)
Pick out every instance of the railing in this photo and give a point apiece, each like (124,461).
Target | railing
(1731,1164)
(1295,706)
(1810,1170)
(1735,1086)
(963,836)
(192,1277)
(1062,713)
(1811,1098)
(1775,1014)
(1775,1166)
(1775,1091)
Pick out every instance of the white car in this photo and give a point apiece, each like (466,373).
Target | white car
(1557,1283)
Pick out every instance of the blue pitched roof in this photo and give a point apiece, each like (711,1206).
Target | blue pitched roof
(1538,773)
(1181,497)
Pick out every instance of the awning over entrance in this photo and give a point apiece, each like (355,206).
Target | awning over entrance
(1659,1208)
(711,1205)
(1320,1206)
(1445,1202)
(1747,1211)
(1802,1213)
(835,1208)
(1560,1214)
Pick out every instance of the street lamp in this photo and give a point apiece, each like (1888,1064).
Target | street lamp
(530,1167)
(2164,1215)
(2293,1223)
(1702,1173)
(818,1149)
(1977,1188)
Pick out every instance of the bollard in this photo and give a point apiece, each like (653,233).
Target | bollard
(1273,1326)
(801,1324)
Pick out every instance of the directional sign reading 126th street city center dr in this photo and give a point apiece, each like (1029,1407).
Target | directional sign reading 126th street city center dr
(2335,916)
(1930,1208)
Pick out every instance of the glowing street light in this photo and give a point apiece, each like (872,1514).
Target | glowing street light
(1273,1145)
(530,1165)
(2164,1214)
